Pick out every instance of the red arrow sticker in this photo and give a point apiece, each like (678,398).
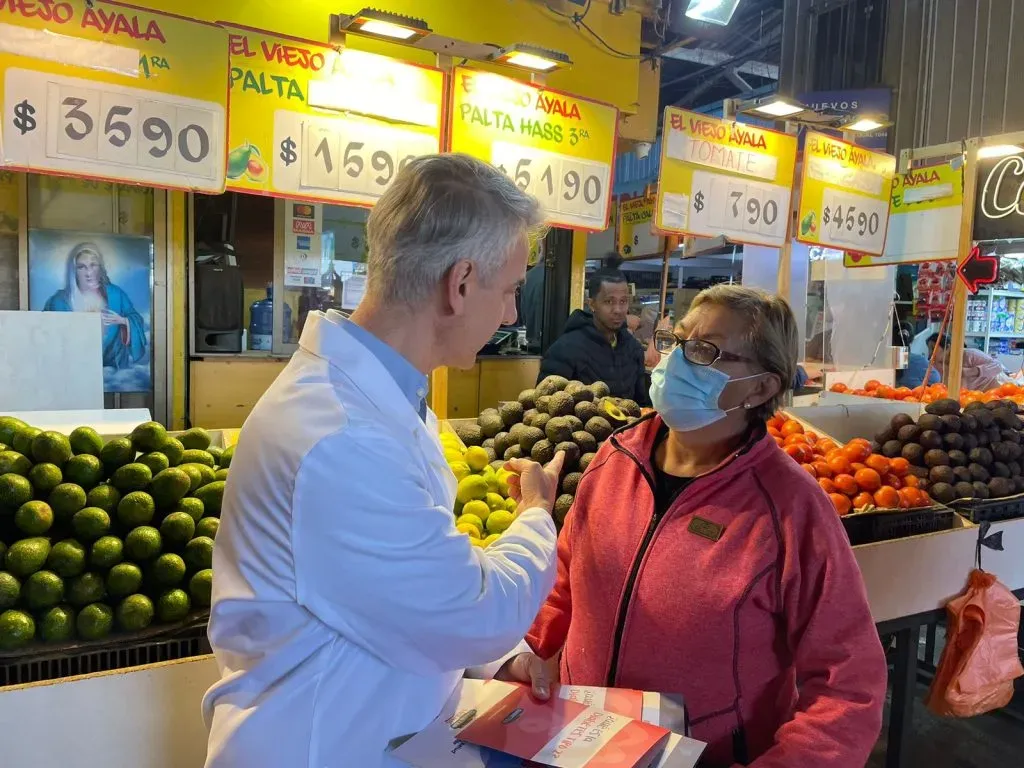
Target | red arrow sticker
(978,270)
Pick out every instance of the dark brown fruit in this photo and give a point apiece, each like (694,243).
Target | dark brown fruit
(542,402)
(562,506)
(574,424)
(1001,486)
(909,433)
(1005,418)
(921,473)
(1015,468)
(488,443)
(984,417)
(492,455)
(943,407)
(951,423)
(469,434)
(979,472)
(529,438)
(885,436)
(999,469)
(561,404)
(572,455)
(513,452)
(511,413)
(571,482)
(558,430)
(963,490)
(913,453)
(502,442)
(586,441)
(586,411)
(580,392)
(892,449)
(527,398)
(936,458)
(968,423)
(930,439)
(600,389)
(540,421)
(981,456)
(970,443)
(600,428)
(981,490)
(958,458)
(962,474)
(899,421)
(490,422)
(953,441)
(942,492)
(1011,436)
(585,460)
(543,452)
(929,421)
(941,474)
(1001,451)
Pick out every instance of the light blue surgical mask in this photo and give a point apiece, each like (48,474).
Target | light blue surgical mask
(686,395)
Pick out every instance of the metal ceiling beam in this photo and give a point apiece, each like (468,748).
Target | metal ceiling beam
(710,57)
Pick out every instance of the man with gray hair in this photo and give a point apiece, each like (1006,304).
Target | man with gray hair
(346,606)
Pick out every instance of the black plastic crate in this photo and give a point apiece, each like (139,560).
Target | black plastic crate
(991,510)
(888,524)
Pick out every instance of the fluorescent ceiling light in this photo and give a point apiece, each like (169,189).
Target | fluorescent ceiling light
(532,57)
(999,150)
(779,108)
(718,12)
(529,61)
(382,24)
(386,29)
(863,125)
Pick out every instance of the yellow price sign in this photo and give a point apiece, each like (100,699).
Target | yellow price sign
(559,148)
(720,177)
(634,234)
(925,211)
(114,92)
(312,123)
(844,195)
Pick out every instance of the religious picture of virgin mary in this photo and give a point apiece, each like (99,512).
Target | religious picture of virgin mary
(106,274)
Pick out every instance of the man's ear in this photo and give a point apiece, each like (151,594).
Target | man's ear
(456,284)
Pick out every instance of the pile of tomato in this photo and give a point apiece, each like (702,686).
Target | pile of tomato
(931,393)
(853,477)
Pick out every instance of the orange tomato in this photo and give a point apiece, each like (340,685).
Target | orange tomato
(887,498)
(909,481)
(776,421)
(827,485)
(799,453)
(839,387)
(809,469)
(812,437)
(841,503)
(901,393)
(774,432)
(839,465)
(822,469)
(893,482)
(868,480)
(826,445)
(879,463)
(872,385)
(917,391)
(856,451)
(846,484)
(856,466)
(912,497)
(899,466)
(778,440)
(796,439)
(911,400)
(862,500)
(792,428)
(886,392)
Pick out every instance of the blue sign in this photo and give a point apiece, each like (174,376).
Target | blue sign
(863,101)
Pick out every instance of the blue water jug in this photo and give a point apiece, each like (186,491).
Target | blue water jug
(261,322)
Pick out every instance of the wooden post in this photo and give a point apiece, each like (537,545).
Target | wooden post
(663,299)
(958,321)
(439,392)
(785,283)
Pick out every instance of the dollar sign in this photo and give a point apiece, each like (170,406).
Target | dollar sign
(698,202)
(288,153)
(826,215)
(23,119)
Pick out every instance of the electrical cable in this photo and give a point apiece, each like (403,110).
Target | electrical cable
(578,20)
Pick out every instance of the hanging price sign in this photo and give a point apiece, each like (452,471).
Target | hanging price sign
(844,195)
(113,92)
(559,148)
(311,123)
(724,178)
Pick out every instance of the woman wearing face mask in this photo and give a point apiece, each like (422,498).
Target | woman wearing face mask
(700,559)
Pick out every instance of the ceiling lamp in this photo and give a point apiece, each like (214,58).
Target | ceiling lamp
(532,58)
(718,12)
(384,25)
(777,106)
(864,123)
(999,150)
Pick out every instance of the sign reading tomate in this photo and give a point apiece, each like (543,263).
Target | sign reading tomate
(844,195)
(310,122)
(557,147)
(112,91)
(724,178)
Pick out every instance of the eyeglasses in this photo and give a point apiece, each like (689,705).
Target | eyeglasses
(697,351)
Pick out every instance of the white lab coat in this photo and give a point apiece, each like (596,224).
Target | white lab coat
(345,604)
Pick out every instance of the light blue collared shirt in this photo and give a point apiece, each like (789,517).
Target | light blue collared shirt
(410,380)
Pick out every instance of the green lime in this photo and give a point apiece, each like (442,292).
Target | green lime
(131,477)
(208,527)
(117,453)
(9,427)
(10,590)
(14,462)
(106,497)
(66,499)
(16,630)
(136,509)
(226,457)
(134,613)
(34,518)
(173,450)
(177,529)
(168,570)
(195,476)
(95,621)
(51,448)
(57,625)
(44,478)
(212,496)
(169,487)
(200,586)
(143,543)
(106,552)
(85,589)
(192,507)
(90,523)
(195,439)
(67,558)
(206,474)
(173,605)
(198,457)
(23,440)
(42,590)
(27,556)
(216,453)
(86,441)
(157,462)
(84,470)
(221,474)
(148,436)
(199,554)
(15,490)
(123,579)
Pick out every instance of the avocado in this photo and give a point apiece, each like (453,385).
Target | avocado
(541,420)
(558,430)
(131,477)
(892,449)
(585,411)
(571,482)
(585,460)
(529,438)
(631,408)
(511,413)
(572,455)
(962,473)
(212,495)
(116,453)
(981,490)
(197,456)
(968,423)
(169,487)
(913,453)
(908,434)
(951,423)
(1000,487)
(941,474)
(970,443)
(516,431)
(469,434)
(543,402)
(930,439)
(885,436)
(942,493)
(561,404)
(543,452)
(491,454)
(999,469)
(943,407)
(982,456)
(900,420)
(600,428)
(562,506)
(527,398)
(953,441)
(148,437)
(196,439)
(586,441)
(957,458)
(555,383)
(512,452)
(579,392)
(600,389)
(978,472)
(963,491)
(502,441)
(929,421)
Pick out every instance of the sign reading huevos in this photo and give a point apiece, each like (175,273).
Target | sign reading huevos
(557,147)
(844,195)
(313,123)
(724,178)
(925,211)
(114,92)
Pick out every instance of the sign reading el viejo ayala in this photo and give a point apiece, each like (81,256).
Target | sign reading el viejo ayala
(559,148)
(844,195)
(111,91)
(312,123)
(724,178)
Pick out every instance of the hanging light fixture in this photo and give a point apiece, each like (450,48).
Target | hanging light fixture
(531,57)
(384,25)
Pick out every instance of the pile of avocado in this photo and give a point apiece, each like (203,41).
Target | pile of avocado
(101,536)
(559,415)
(974,453)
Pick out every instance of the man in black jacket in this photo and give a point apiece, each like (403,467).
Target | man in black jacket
(597,346)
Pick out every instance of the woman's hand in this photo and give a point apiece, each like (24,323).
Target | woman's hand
(112,318)
(531,668)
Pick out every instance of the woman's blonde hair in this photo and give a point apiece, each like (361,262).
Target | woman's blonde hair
(772,336)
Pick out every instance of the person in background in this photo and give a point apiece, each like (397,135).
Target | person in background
(346,605)
(532,303)
(597,345)
(917,364)
(700,559)
(980,371)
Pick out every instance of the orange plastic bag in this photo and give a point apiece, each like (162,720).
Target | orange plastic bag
(980,661)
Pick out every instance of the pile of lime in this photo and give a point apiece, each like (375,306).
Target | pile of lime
(99,536)
(483,507)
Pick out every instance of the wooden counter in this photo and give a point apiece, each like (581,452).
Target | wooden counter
(223,390)
(490,381)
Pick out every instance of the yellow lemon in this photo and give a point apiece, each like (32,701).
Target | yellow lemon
(495,501)
(452,455)
(493,486)
(470,530)
(477,542)
(498,522)
(511,505)
(471,520)
(450,440)
(478,508)
(477,458)
(491,539)
(472,488)
(460,469)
